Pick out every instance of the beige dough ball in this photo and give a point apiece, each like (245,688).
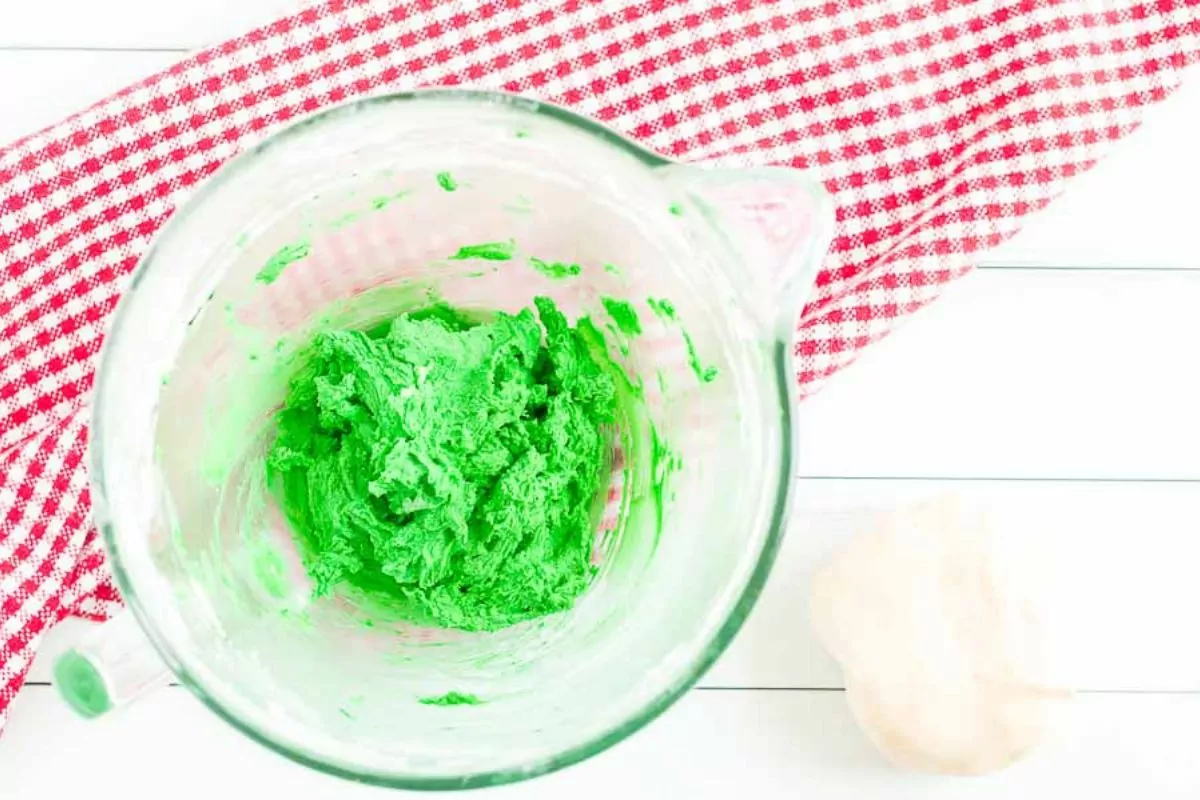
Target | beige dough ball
(942,647)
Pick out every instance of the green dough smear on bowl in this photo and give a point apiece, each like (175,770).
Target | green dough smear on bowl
(448,463)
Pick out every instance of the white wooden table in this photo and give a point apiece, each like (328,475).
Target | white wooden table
(1057,385)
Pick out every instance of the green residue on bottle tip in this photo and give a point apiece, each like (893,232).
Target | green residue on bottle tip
(446,181)
(676,209)
(704,374)
(490,251)
(521,133)
(451,699)
(623,314)
(284,257)
(555,269)
(81,685)
(663,309)
(165,380)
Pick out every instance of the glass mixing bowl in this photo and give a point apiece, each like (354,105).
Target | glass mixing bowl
(350,217)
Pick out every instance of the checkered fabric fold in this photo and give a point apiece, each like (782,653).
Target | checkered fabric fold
(937,125)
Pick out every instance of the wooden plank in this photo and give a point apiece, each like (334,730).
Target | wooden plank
(38,89)
(1076,375)
(1133,209)
(1120,558)
(134,23)
(711,745)
(1087,384)
(1023,374)
(1123,600)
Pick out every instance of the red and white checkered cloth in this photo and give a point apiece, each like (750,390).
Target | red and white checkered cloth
(937,125)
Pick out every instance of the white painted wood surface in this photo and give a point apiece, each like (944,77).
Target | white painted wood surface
(1055,388)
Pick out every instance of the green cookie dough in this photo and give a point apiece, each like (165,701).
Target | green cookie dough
(451,465)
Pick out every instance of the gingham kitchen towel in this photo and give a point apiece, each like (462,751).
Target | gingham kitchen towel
(937,125)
